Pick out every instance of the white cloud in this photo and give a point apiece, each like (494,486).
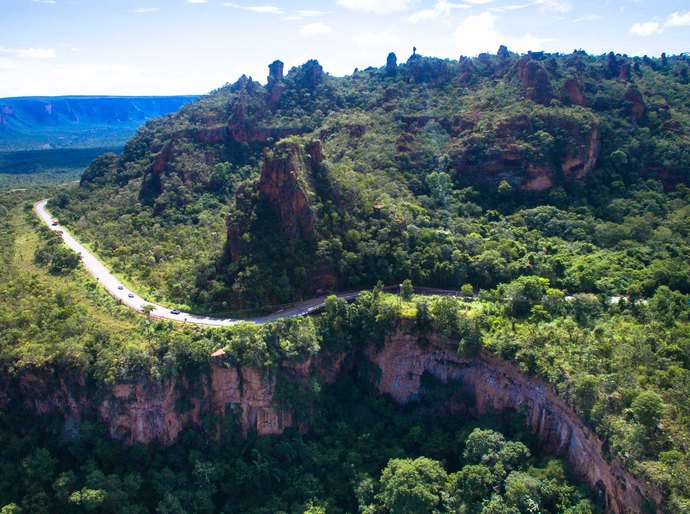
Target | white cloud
(441,8)
(646,29)
(555,6)
(649,28)
(30,53)
(589,17)
(377,6)
(197,1)
(315,29)
(370,39)
(478,34)
(261,9)
(265,9)
(142,10)
(505,8)
(36,53)
(44,1)
(311,14)
(678,20)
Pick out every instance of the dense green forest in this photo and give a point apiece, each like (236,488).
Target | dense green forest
(550,188)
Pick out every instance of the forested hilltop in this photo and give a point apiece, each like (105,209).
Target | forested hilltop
(474,171)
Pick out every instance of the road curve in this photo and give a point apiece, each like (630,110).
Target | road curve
(136,302)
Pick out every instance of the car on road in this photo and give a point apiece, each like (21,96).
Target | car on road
(175,311)
(54,223)
(130,295)
(120,287)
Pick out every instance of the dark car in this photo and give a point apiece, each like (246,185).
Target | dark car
(131,295)
(120,287)
(175,311)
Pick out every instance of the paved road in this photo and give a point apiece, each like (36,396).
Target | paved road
(136,302)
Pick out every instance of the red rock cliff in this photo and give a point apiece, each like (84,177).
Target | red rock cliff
(152,410)
(496,384)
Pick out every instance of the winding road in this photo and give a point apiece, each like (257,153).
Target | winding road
(139,304)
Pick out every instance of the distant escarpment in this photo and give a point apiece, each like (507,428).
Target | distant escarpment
(404,365)
(31,123)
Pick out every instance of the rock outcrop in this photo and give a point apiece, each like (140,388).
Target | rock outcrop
(150,410)
(391,64)
(574,92)
(636,102)
(286,188)
(275,85)
(509,158)
(286,184)
(534,79)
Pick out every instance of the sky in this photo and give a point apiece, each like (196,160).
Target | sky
(168,47)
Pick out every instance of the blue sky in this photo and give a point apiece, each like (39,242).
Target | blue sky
(136,47)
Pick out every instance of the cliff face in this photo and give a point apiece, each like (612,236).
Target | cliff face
(514,157)
(158,411)
(497,385)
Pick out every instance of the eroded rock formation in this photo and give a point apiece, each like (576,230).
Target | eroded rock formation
(509,159)
(285,187)
(534,79)
(574,92)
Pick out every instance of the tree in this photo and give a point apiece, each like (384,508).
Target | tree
(496,505)
(11,508)
(440,185)
(523,491)
(406,289)
(586,392)
(467,290)
(586,307)
(483,446)
(474,483)
(412,486)
(90,499)
(525,292)
(647,409)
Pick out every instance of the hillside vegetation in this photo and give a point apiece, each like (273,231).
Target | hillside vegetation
(443,172)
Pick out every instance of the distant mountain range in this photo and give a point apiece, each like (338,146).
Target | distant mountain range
(42,123)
